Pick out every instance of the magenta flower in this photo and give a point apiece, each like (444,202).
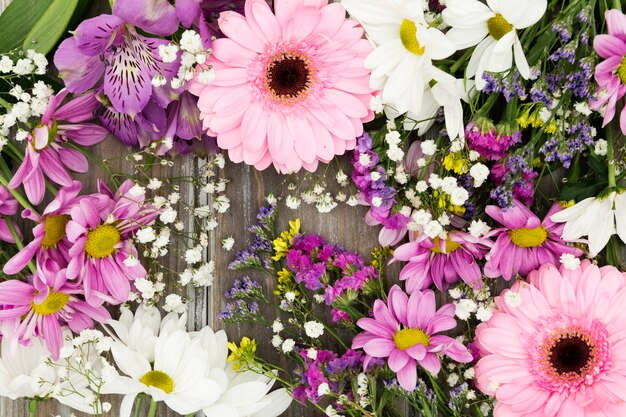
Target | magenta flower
(525,242)
(47,151)
(49,235)
(611,73)
(41,307)
(110,46)
(100,233)
(490,142)
(404,331)
(8,207)
(442,262)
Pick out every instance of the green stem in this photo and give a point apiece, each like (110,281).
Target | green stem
(617,4)
(461,61)
(18,241)
(5,104)
(153,407)
(32,408)
(138,405)
(610,154)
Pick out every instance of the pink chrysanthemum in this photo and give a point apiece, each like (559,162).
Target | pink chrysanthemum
(47,151)
(442,262)
(100,234)
(290,87)
(403,331)
(42,307)
(8,207)
(525,242)
(555,346)
(611,73)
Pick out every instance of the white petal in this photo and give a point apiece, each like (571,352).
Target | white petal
(505,43)
(477,55)
(221,410)
(438,46)
(130,362)
(466,13)
(372,12)
(127,405)
(464,38)
(620,215)
(169,352)
(499,61)
(603,228)
(280,400)
(384,59)
(510,10)
(520,60)
(485,60)
(534,12)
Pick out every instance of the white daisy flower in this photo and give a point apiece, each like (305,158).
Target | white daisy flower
(594,217)
(406,46)
(139,331)
(493,28)
(178,376)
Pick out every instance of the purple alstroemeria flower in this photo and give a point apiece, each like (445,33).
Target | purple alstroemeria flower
(203,15)
(108,49)
(47,151)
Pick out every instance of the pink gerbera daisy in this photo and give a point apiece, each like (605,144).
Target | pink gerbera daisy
(41,307)
(403,331)
(525,242)
(49,235)
(555,346)
(290,86)
(611,73)
(442,261)
(101,239)
(47,151)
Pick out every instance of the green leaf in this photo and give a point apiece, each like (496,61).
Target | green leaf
(17,20)
(50,27)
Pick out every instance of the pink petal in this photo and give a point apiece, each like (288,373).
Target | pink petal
(397,360)
(79,71)
(93,36)
(407,376)
(153,16)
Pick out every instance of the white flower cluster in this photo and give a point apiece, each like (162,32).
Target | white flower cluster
(318,195)
(33,63)
(363,390)
(29,103)
(82,370)
(468,301)
(191,52)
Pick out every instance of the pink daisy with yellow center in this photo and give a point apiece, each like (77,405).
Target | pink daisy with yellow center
(555,345)
(290,86)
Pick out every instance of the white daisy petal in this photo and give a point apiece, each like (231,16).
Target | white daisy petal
(464,38)
(442,47)
(466,14)
(534,12)
(510,10)
(520,59)
(472,66)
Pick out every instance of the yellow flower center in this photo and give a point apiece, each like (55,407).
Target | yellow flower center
(101,241)
(451,245)
(528,238)
(498,26)
(54,302)
(54,230)
(621,71)
(407,338)
(159,380)
(408,36)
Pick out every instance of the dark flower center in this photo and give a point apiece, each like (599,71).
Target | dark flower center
(288,76)
(570,354)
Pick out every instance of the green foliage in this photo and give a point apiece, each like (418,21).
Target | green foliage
(51,26)
(17,21)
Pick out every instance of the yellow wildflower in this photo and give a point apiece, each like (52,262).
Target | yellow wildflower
(284,242)
(456,162)
(244,353)
(551,128)
(286,283)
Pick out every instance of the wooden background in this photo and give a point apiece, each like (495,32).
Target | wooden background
(247,189)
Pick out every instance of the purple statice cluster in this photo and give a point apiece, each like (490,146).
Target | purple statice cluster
(510,86)
(257,255)
(540,93)
(563,146)
(324,267)
(489,141)
(514,179)
(240,311)
(371,180)
(327,367)
(244,288)
(563,30)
